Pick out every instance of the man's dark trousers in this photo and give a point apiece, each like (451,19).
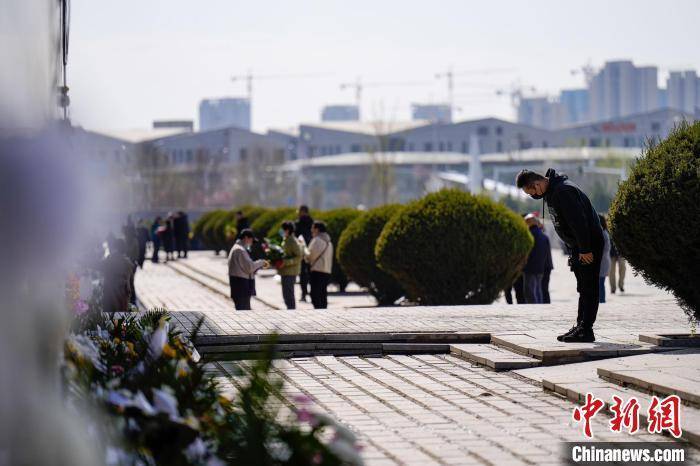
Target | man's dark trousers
(304,279)
(319,289)
(588,287)
(240,292)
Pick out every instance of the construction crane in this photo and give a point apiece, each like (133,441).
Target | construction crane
(250,77)
(450,75)
(586,70)
(516,93)
(359,86)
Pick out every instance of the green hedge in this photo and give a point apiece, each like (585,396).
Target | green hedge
(198,228)
(356,254)
(454,248)
(336,221)
(267,224)
(209,236)
(655,216)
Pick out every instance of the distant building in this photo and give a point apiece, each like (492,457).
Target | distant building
(683,88)
(628,131)
(541,112)
(224,113)
(340,113)
(435,113)
(575,106)
(186,125)
(620,89)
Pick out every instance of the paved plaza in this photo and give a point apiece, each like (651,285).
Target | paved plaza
(445,385)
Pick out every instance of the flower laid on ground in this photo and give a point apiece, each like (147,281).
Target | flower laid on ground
(163,407)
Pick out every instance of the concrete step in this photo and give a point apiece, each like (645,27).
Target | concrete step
(574,381)
(677,373)
(494,357)
(546,348)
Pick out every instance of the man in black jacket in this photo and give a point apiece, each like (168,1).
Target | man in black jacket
(577,224)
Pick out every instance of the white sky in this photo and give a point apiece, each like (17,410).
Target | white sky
(134,61)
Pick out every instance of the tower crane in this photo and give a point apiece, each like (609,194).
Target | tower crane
(358,85)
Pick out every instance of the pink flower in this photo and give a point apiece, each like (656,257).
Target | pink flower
(80,307)
(304,415)
(302,399)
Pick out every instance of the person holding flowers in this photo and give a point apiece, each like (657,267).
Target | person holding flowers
(289,267)
(241,270)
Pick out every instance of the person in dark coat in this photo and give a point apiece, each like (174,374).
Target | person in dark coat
(534,268)
(155,238)
(117,271)
(302,227)
(577,224)
(242,222)
(181,228)
(167,237)
(142,236)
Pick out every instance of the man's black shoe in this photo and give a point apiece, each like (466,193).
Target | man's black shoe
(582,335)
(571,331)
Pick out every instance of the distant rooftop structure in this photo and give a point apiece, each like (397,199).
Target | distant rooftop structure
(187,125)
(340,113)
(224,112)
(368,127)
(436,113)
(139,134)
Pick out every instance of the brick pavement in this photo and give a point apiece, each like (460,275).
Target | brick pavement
(425,409)
(438,409)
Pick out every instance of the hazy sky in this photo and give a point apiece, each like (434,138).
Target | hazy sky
(135,61)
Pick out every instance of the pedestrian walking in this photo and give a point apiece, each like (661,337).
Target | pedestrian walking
(155,238)
(181,230)
(577,224)
(534,268)
(320,260)
(289,267)
(605,262)
(302,228)
(617,269)
(241,270)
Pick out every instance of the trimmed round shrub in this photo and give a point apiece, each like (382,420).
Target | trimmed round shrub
(223,236)
(268,223)
(198,228)
(356,254)
(655,216)
(209,230)
(454,248)
(336,222)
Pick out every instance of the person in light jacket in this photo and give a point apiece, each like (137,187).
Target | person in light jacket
(320,260)
(241,270)
(290,267)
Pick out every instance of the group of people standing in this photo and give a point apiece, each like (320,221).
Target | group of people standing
(308,254)
(170,234)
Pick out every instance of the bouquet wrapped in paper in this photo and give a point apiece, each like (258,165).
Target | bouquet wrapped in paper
(274,252)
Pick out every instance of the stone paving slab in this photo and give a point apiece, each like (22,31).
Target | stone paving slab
(678,373)
(439,409)
(574,381)
(676,340)
(493,356)
(544,346)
